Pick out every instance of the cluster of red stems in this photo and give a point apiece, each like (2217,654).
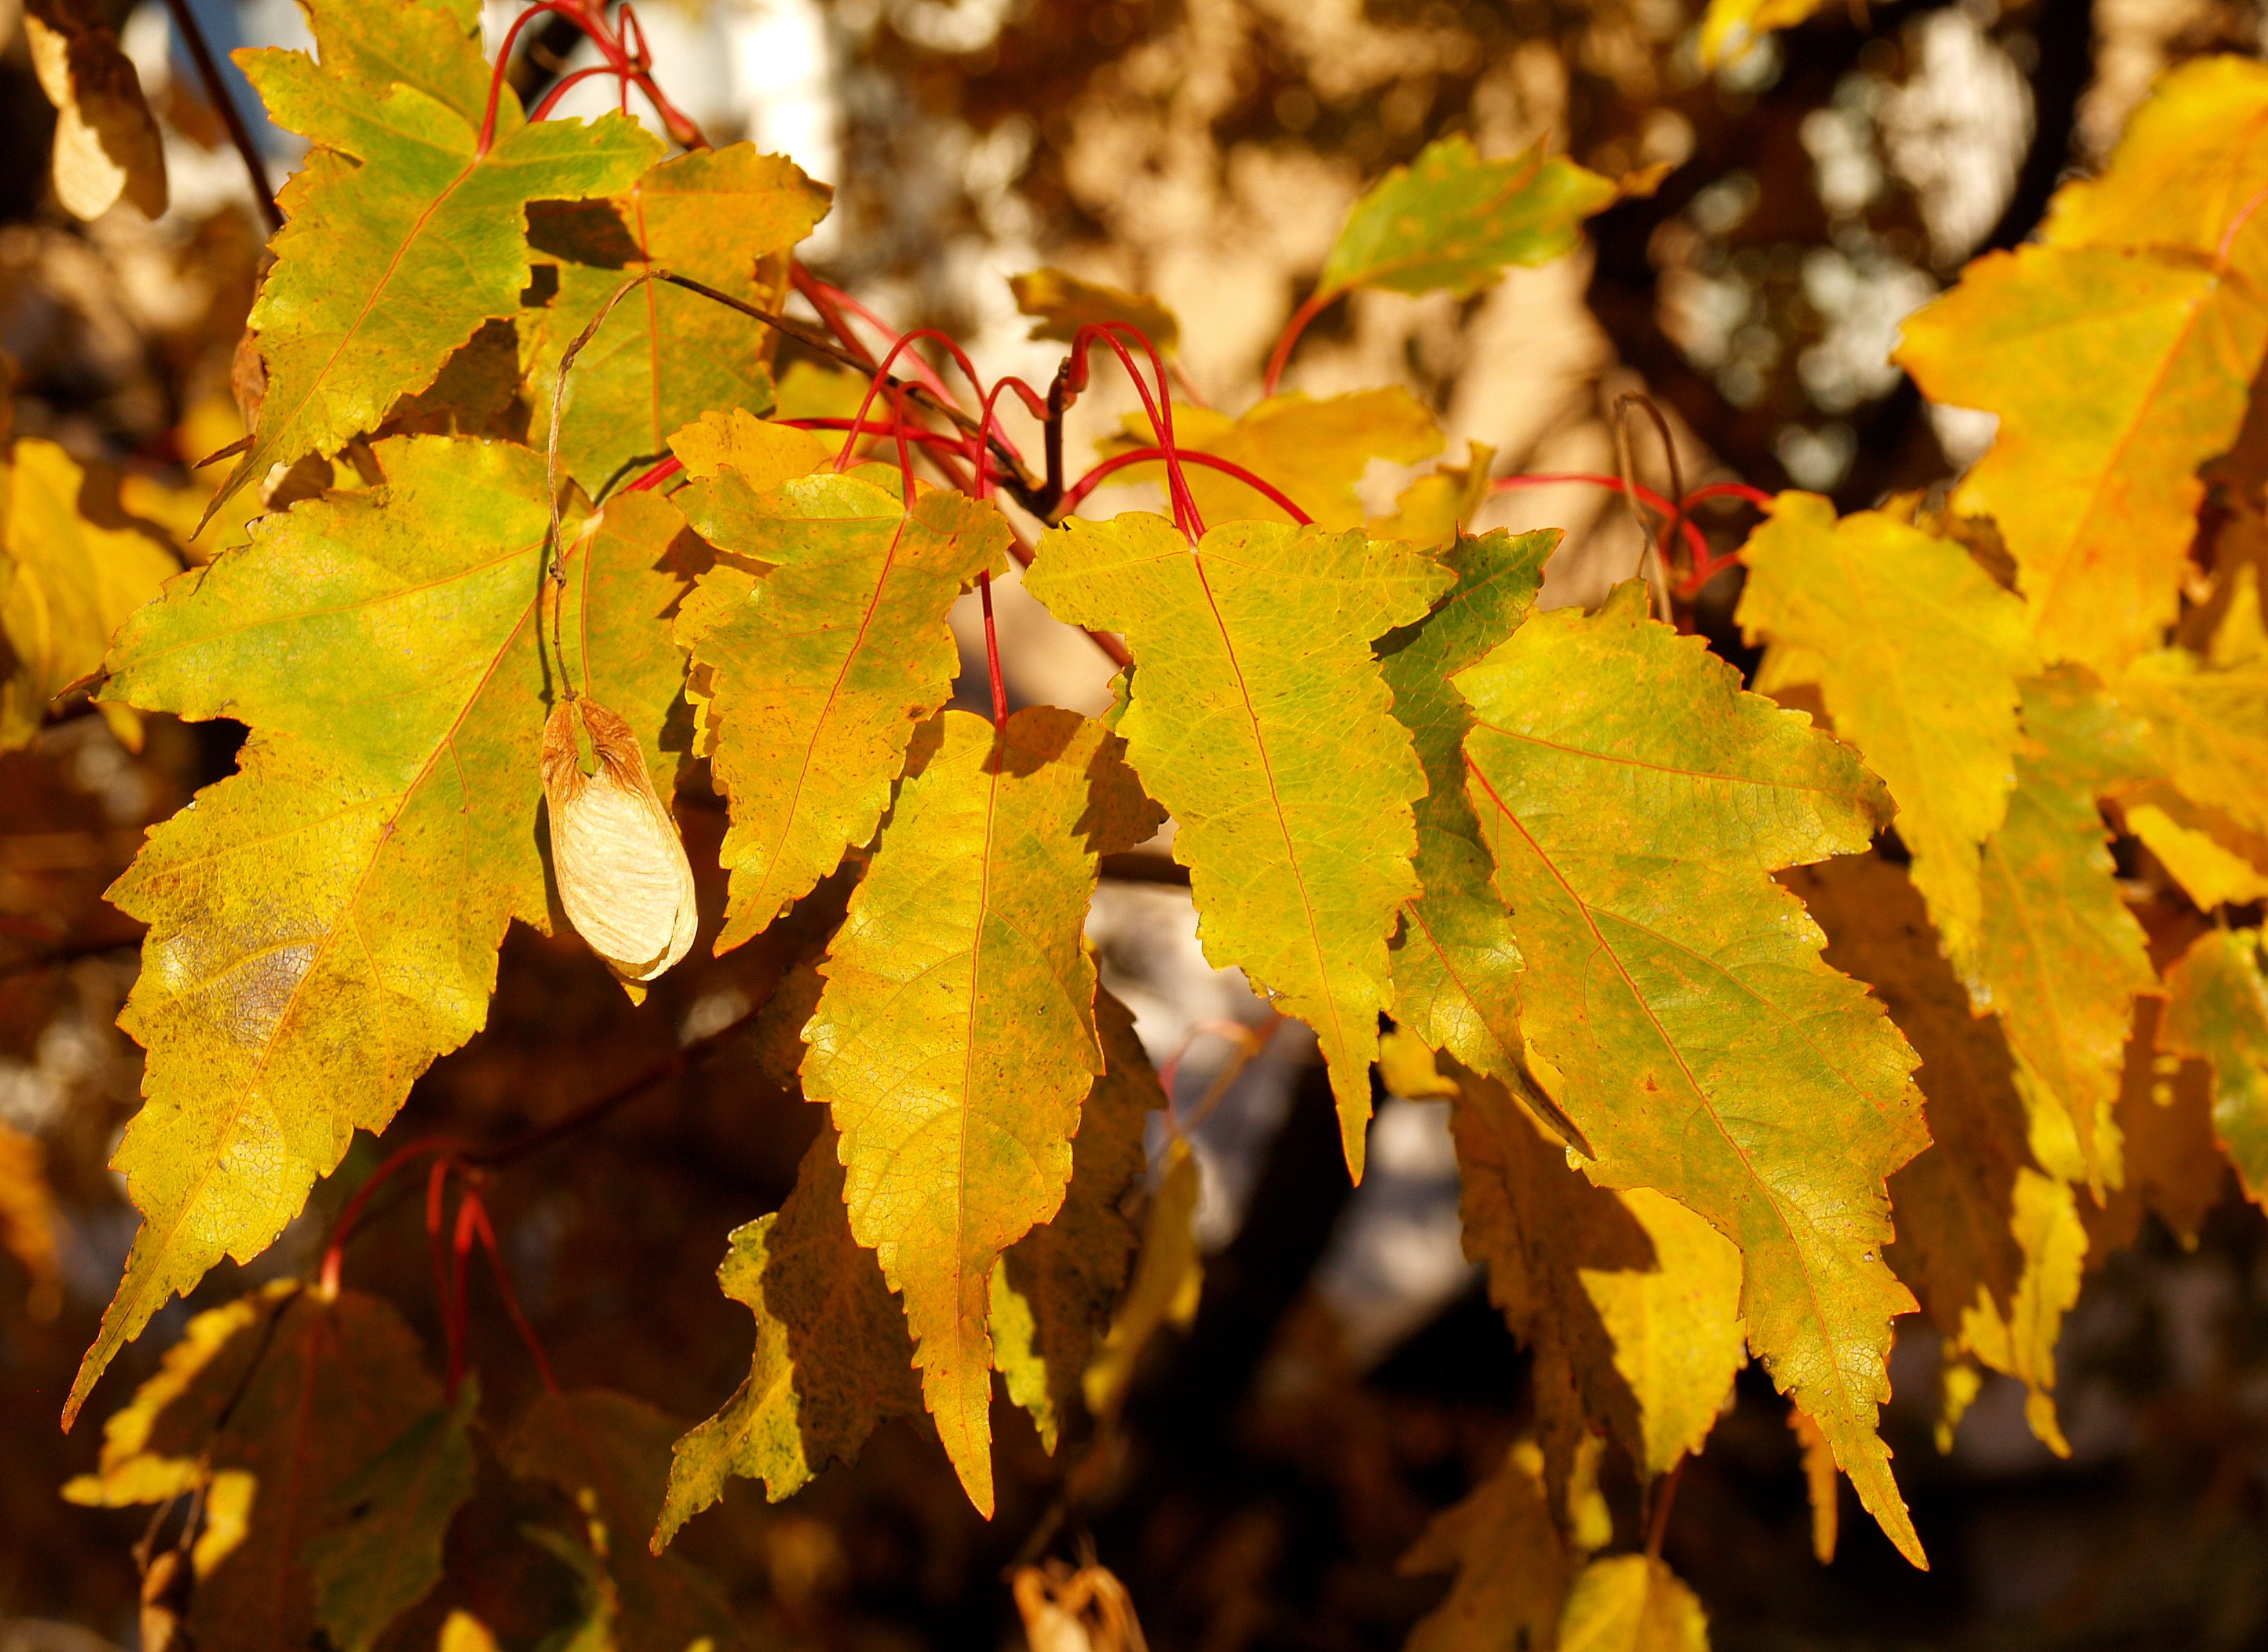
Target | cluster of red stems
(975,455)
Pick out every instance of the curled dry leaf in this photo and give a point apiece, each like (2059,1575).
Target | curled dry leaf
(622,874)
(107,143)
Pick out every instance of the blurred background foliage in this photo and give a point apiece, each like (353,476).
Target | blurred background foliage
(1344,1377)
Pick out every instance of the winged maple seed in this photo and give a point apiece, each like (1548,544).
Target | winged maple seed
(623,873)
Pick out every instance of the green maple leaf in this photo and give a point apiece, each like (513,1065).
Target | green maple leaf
(609,1455)
(1053,1289)
(2217,1012)
(1635,800)
(385,1557)
(816,675)
(400,238)
(1918,654)
(955,1037)
(1457,969)
(1452,221)
(832,1356)
(277,1406)
(1262,723)
(2060,957)
(665,356)
(324,923)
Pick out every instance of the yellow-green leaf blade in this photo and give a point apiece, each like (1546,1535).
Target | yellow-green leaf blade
(1631,1602)
(1262,721)
(1061,303)
(819,673)
(1452,221)
(324,923)
(1512,1566)
(1730,28)
(1918,654)
(1636,799)
(1053,1289)
(831,1359)
(1457,969)
(954,1039)
(2217,1012)
(386,1556)
(401,239)
(726,218)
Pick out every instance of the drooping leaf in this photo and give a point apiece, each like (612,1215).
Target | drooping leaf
(1512,1564)
(1820,1480)
(832,1356)
(725,217)
(1628,1301)
(1168,1281)
(1732,27)
(1312,452)
(387,1555)
(2207,731)
(955,1037)
(324,923)
(818,674)
(1053,1289)
(2176,1165)
(1260,719)
(73,564)
(2060,957)
(1982,1240)
(1635,800)
(1456,970)
(1631,1602)
(608,1454)
(1452,221)
(277,1403)
(401,238)
(2217,1012)
(1918,654)
(1061,303)
(28,1219)
(2148,289)
(107,143)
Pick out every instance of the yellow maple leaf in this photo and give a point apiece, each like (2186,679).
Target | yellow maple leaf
(1631,1602)
(954,1039)
(1260,718)
(1635,800)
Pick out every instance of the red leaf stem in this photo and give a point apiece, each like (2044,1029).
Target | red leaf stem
(1078,490)
(1280,356)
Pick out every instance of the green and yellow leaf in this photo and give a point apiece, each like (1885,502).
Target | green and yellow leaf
(1262,723)
(401,238)
(1456,970)
(1169,1282)
(1918,654)
(2217,1012)
(726,218)
(1731,28)
(1636,801)
(1452,221)
(832,1357)
(385,1556)
(955,1039)
(817,674)
(324,923)
(1053,1289)
(1061,303)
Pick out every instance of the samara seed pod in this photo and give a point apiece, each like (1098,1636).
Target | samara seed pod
(622,874)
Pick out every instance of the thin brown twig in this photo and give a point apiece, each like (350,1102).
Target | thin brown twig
(224,106)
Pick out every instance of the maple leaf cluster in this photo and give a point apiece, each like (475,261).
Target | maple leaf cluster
(1769,1011)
